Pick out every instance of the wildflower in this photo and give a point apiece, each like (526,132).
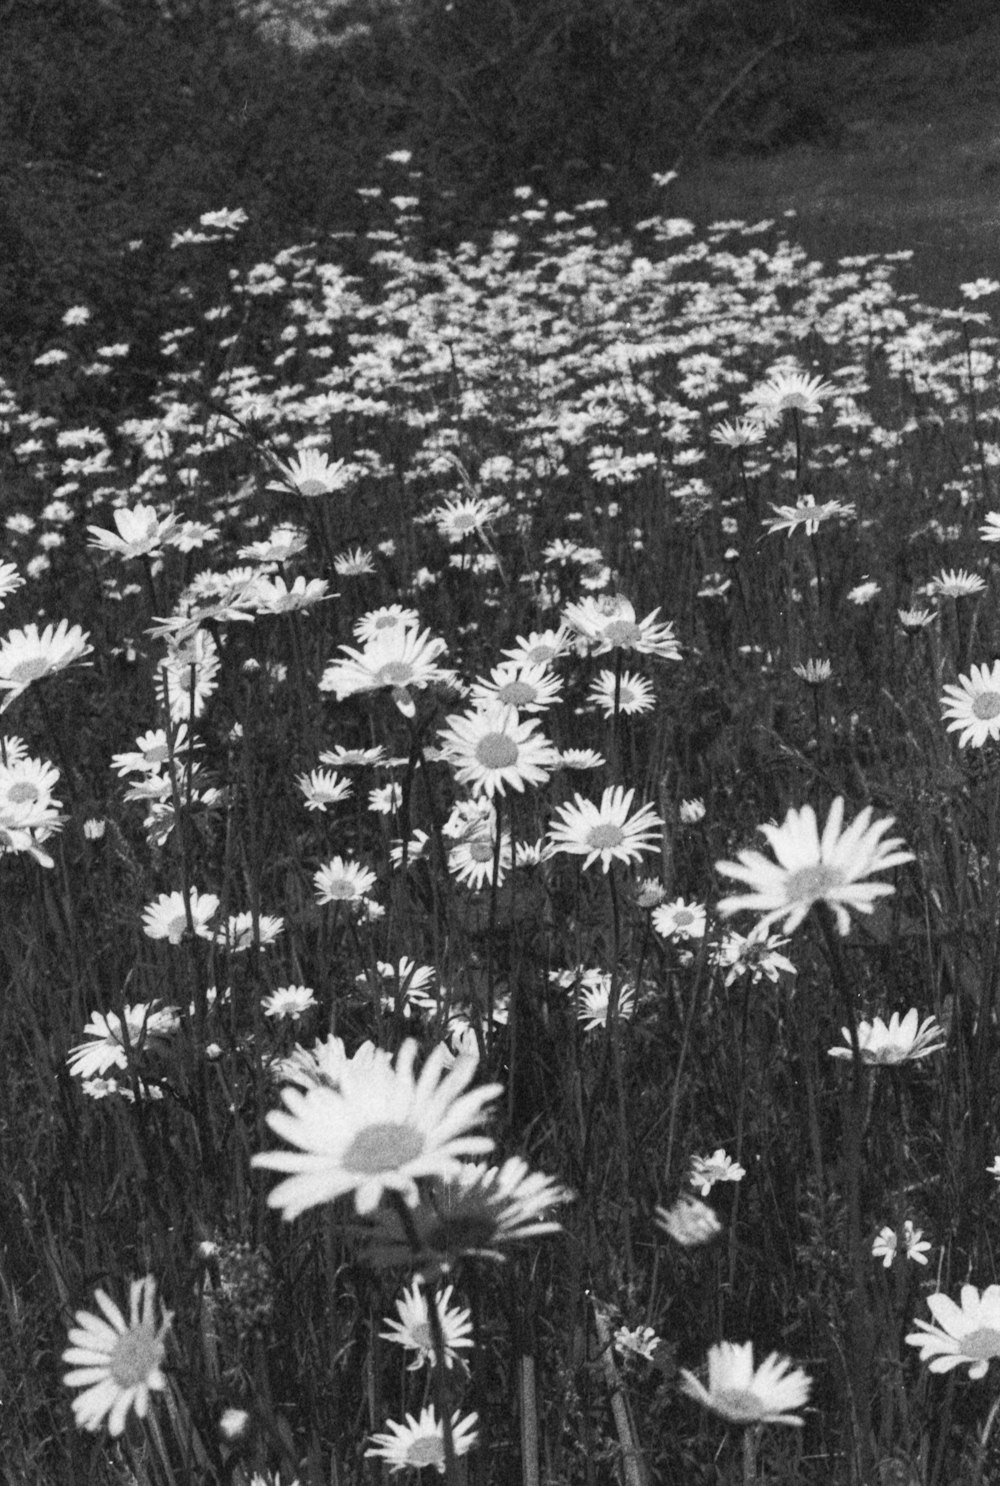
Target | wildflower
(471,861)
(289,1001)
(28,655)
(966,1333)
(385,800)
(377,1132)
(310,474)
(755,955)
(915,619)
(540,648)
(167,918)
(456,520)
(680,920)
(812,869)
(974,706)
(990,530)
(94,828)
(153,751)
(400,659)
(77,314)
(355,563)
(691,812)
(718,1167)
(188,677)
(353,758)
(957,584)
(284,543)
(141,532)
(420,1442)
(273,595)
(604,831)
(389,617)
(915,1246)
(639,1341)
(492,747)
(116,1362)
(979,288)
(145,1027)
(628,694)
(321,1065)
(738,434)
(609,623)
(581,758)
(322,788)
(594,1003)
(413,1329)
(529,688)
(863,593)
(689,1221)
(744,1396)
(788,391)
(10,581)
(808,514)
(900,1042)
(342,881)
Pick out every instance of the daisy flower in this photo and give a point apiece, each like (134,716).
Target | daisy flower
(237,935)
(311,474)
(141,532)
(167,918)
(787,391)
(152,752)
(744,1396)
(808,514)
(690,812)
(116,1362)
(594,1003)
(456,520)
(529,688)
(342,881)
(605,831)
(738,434)
(420,1442)
(957,584)
(634,694)
(353,758)
(915,1246)
(274,596)
(965,1333)
(638,1341)
(680,920)
(322,788)
(471,861)
(321,1065)
(864,592)
(10,581)
(581,758)
(377,1132)
(915,619)
(289,1001)
(990,530)
(400,659)
(284,543)
(492,747)
(389,617)
(755,954)
(813,869)
(355,563)
(188,677)
(413,1328)
(718,1167)
(974,706)
(689,1221)
(609,623)
(144,1027)
(30,654)
(814,672)
(540,648)
(900,1042)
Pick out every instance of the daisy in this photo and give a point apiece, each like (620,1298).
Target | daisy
(609,623)
(386,799)
(966,1333)
(581,758)
(718,1167)
(808,514)
(787,391)
(915,1246)
(738,434)
(639,1341)
(974,706)
(390,617)
(167,918)
(813,869)
(311,474)
(377,1132)
(900,1042)
(864,592)
(26,793)
(814,672)
(605,831)
(355,563)
(420,1442)
(10,581)
(957,584)
(745,1396)
(413,1328)
(594,1003)
(153,750)
(471,861)
(322,788)
(680,920)
(406,980)
(342,881)
(755,955)
(144,1027)
(141,532)
(529,688)
(399,659)
(492,747)
(626,693)
(353,758)
(689,1221)
(456,520)
(116,1362)
(284,543)
(990,530)
(188,677)
(321,1065)
(915,619)
(540,648)
(238,934)
(690,812)
(289,1001)
(28,655)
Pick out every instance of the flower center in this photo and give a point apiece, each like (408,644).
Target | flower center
(463,521)
(31,669)
(987,704)
(426,1451)
(497,751)
(422,1336)
(809,884)
(177,926)
(311,487)
(481,850)
(23,793)
(605,836)
(981,1344)
(158,754)
(683,917)
(540,655)
(383,1147)
(622,632)
(739,1404)
(516,693)
(394,673)
(386,621)
(133,1357)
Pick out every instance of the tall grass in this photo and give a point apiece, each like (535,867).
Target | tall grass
(520,426)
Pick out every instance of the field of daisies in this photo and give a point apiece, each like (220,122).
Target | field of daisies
(500,817)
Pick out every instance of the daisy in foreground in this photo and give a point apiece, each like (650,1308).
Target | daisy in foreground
(378,1131)
(974,705)
(901,1041)
(116,1362)
(420,1442)
(816,869)
(605,831)
(969,1332)
(744,1396)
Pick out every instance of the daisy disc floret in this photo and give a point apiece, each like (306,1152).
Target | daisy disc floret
(605,832)
(901,1041)
(811,868)
(769,1395)
(965,1333)
(974,706)
(117,1362)
(377,1132)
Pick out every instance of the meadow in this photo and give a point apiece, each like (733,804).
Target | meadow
(501,809)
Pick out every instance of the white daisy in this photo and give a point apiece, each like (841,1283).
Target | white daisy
(886,1244)
(957,584)
(680,920)
(167,918)
(689,1221)
(311,474)
(397,659)
(342,881)
(145,1027)
(30,654)
(289,1001)
(974,706)
(492,747)
(718,1167)
(323,787)
(628,693)
(609,623)
(605,832)
(900,1042)
(529,688)
(966,1333)
(116,1362)
(420,1442)
(744,1396)
(413,1328)
(141,532)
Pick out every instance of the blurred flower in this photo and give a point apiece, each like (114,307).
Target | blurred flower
(718,1167)
(994,1170)
(116,1362)
(594,1002)
(311,474)
(639,1341)
(743,1396)
(808,514)
(814,672)
(974,706)
(604,831)
(915,1246)
(966,1333)
(690,812)
(413,1328)
(738,434)
(979,288)
(864,592)
(420,1442)
(237,934)
(990,530)
(342,881)
(289,1001)
(915,619)
(900,1042)
(10,581)
(688,1221)
(353,564)
(141,532)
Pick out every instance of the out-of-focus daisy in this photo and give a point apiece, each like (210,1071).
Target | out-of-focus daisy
(902,1041)
(581,758)
(979,288)
(814,672)
(353,758)
(237,933)
(356,563)
(322,788)
(389,617)
(529,688)
(634,693)
(915,619)
(680,920)
(965,1333)
(146,1026)
(808,514)
(594,1003)
(956,583)
(386,799)
(974,706)
(413,1328)
(609,623)
(863,593)
(994,1169)
(284,543)
(291,1002)
(342,881)
(10,581)
(744,1396)
(492,747)
(718,1167)
(755,955)
(813,869)
(405,982)
(788,391)
(117,1362)
(398,659)
(740,433)
(689,1221)
(605,832)
(915,1246)
(420,1442)
(637,1341)
(379,1131)
(30,654)
(540,648)
(321,1065)
(311,474)
(167,918)
(141,532)
(690,812)
(990,530)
